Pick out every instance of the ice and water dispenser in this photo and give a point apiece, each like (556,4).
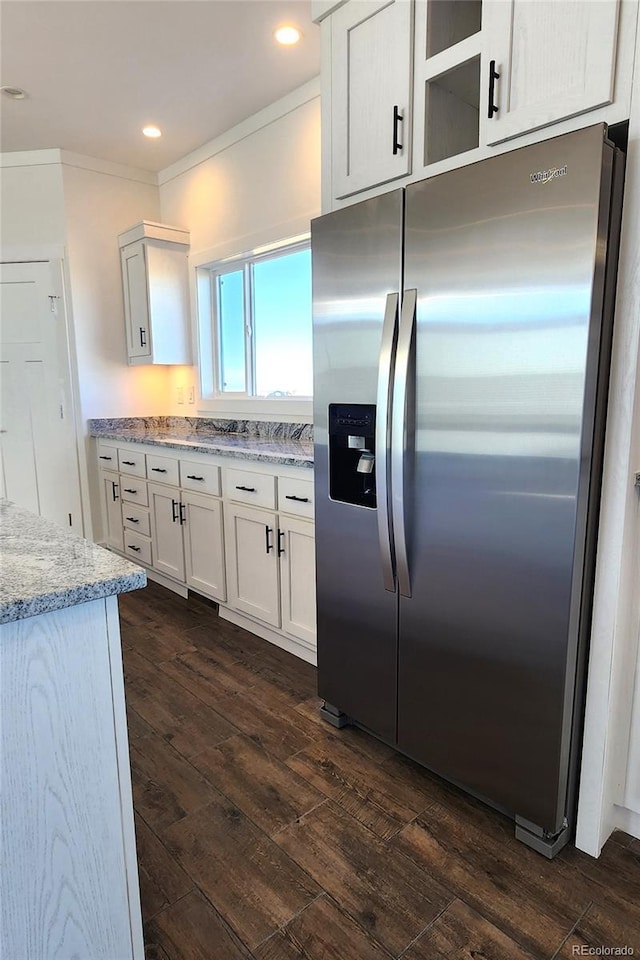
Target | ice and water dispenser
(352,464)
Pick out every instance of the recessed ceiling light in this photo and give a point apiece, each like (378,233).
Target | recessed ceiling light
(287,36)
(152,132)
(14,93)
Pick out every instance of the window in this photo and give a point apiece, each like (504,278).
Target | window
(257,326)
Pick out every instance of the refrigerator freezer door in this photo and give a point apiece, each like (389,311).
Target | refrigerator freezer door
(356,266)
(508,259)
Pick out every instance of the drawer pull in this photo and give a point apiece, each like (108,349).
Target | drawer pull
(248,489)
(129,463)
(102,457)
(129,490)
(131,547)
(291,496)
(132,520)
(192,476)
(158,470)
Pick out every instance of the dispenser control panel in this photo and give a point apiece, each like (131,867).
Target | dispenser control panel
(352,429)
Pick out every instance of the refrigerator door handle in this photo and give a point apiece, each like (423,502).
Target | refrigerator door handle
(401,428)
(383,437)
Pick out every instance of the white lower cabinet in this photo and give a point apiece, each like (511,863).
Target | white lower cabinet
(296,544)
(204,544)
(253,574)
(166,530)
(236,534)
(271,569)
(110,491)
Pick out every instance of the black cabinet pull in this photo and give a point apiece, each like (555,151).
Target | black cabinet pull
(129,490)
(158,470)
(397,120)
(183,513)
(493,76)
(291,496)
(113,492)
(137,549)
(248,489)
(192,476)
(105,458)
(143,337)
(174,510)
(267,533)
(280,541)
(129,463)
(132,520)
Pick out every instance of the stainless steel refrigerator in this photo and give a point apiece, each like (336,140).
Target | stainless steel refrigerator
(462,331)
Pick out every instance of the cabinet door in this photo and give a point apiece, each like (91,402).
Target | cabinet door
(204,544)
(136,300)
(371,80)
(252,562)
(111,510)
(166,531)
(555,58)
(296,545)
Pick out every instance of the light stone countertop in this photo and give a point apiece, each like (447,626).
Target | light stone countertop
(293,453)
(45,568)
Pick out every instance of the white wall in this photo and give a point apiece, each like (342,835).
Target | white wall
(99,206)
(258,184)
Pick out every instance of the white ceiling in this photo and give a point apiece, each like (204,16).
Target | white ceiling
(97,71)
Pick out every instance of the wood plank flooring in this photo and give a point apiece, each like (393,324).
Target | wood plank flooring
(264,833)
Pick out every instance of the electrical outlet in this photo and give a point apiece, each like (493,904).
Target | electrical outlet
(179,394)
(192,394)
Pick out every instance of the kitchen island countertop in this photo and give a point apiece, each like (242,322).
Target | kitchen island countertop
(46,568)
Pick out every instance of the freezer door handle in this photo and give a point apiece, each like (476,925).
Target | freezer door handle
(383,437)
(402,435)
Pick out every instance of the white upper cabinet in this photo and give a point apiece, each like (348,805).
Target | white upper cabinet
(554,58)
(156,294)
(371,82)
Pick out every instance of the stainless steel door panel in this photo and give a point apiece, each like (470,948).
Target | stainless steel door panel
(356,265)
(507,257)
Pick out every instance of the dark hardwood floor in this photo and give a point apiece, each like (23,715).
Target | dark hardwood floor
(263,832)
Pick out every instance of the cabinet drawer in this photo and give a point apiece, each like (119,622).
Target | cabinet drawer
(137,547)
(107,456)
(133,491)
(204,477)
(295,497)
(162,469)
(136,518)
(131,463)
(258,489)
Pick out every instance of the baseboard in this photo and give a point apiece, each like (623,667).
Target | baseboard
(289,644)
(627,820)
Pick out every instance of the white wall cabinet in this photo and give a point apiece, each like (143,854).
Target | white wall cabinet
(480,73)
(372,44)
(555,58)
(156,294)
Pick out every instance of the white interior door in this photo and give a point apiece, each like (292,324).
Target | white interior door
(37,438)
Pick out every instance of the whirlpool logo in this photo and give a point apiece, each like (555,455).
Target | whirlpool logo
(546,176)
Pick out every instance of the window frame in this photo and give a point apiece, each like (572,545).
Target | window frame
(211,391)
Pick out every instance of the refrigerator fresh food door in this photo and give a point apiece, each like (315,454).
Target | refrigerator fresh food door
(508,259)
(356,282)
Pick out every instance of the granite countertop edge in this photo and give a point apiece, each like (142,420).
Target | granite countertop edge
(239,448)
(46,567)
